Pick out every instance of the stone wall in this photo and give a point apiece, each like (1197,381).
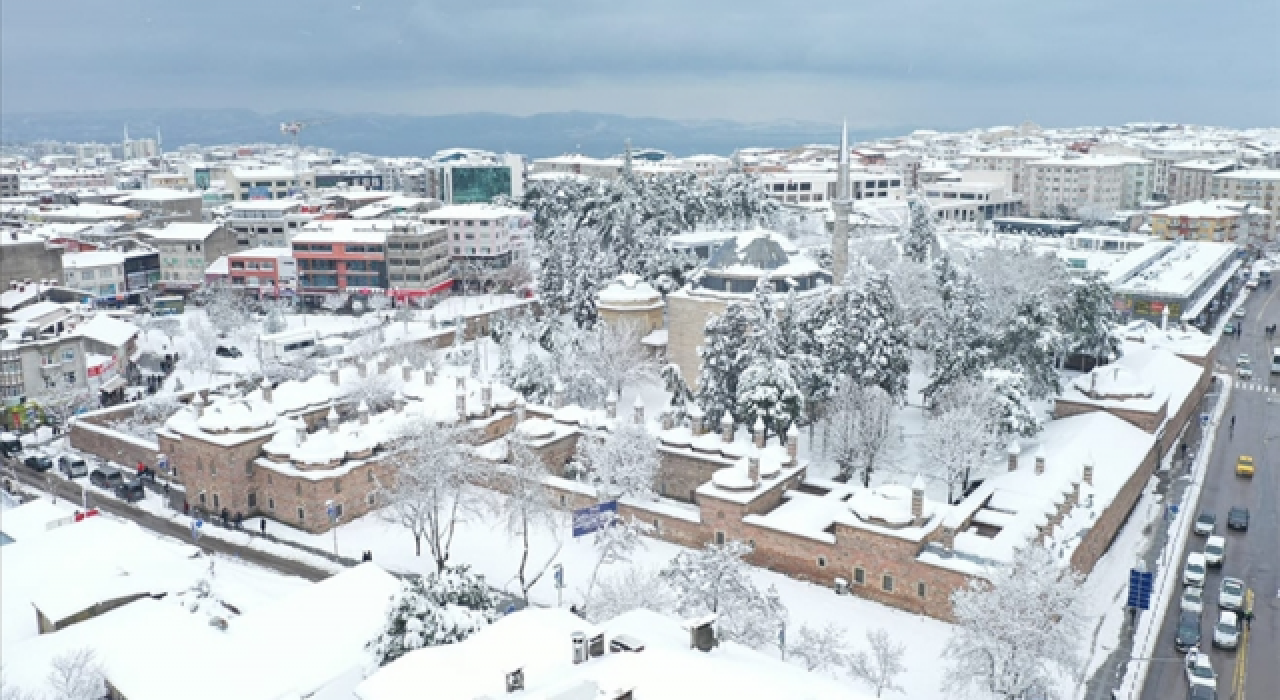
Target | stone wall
(1098,540)
(680,473)
(1146,420)
(686,319)
(113,445)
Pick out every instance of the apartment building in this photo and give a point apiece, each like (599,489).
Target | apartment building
(251,183)
(483,240)
(418,260)
(976,196)
(38,351)
(817,185)
(1013,162)
(76,178)
(1261,188)
(1195,221)
(268,223)
(186,250)
(1089,187)
(1192,180)
(341,256)
(263,272)
(1164,155)
(25,257)
(10,183)
(99,273)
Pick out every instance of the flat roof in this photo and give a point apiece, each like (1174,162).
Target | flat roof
(1180,271)
(474,211)
(91,259)
(1197,210)
(181,231)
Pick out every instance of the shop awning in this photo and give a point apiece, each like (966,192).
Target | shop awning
(113,383)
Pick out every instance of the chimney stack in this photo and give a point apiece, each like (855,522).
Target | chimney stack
(362,412)
(1040,460)
(461,402)
(520,404)
(917,500)
(557,395)
(460,382)
(611,405)
(1014,450)
(638,407)
(397,402)
(668,419)
(757,433)
(1088,471)
(579,641)
(384,363)
(266,392)
(363,368)
(428,374)
(301,434)
(197,402)
(753,469)
(332,419)
(726,427)
(334,377)
(486,398)
(697,425)
(406,370)
(948,537)
(793,443)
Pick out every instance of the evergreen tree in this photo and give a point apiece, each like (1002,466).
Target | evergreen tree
(958,338)
(920,237)
(1029,345)
(723,360)
(534,380)
(441,608)
(1086,318)
(681,394)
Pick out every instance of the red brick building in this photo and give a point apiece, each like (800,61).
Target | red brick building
(341,256)
(263,272)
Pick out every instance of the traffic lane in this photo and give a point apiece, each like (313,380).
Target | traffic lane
(1221,490)
(1260,566)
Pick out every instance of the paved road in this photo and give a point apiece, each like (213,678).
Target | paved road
(1253,556)
(71,492)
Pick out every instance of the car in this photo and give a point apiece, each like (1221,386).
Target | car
(1188,634)
(1205,523)
(1252,283)
(1231,593)
(38,462)
(1244,465)
(72,466)
(106,477)
(1193,572)
(1193,599)
(1244,372)
(227,351)
(131,491)
(1226,634)
(1238,313)
(1244,359)
(1238,519)
(1229,329)
(1215,550)
(1203,692)
(10,444)
(1200,671)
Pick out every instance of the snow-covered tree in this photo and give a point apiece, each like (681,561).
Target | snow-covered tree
(527,508)
(630,587)
(958,337)
(148,414)
(226,309)
(376,390)
(681,394)
(60,402)
(615,356)
(715,579)
(202,346)
(919,237)
(1086,318)
(76,674)
(1018,631)
(881,664)
(275,321)
(623,463)
(859,428)
(1029,344)
(767,390)
(441,608)
(723,361)
(534,380)
(1012,404)
(430,488)
(614,543)
(858,332)
(818,648)
(957,444)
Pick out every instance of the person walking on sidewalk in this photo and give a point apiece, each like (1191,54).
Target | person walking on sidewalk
(262,525)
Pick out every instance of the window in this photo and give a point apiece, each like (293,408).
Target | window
(253,500)
(887,583)
(299,485)
(859,576)
(217,502)
(69,355)
(822,562)
(719,537)
(657,525)
(271,503)
(337,485)
(302,514)
(203,500)
(70,377)
(921,589)
(371,499)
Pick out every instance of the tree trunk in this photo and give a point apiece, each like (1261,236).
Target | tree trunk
(417,545)
(524,558)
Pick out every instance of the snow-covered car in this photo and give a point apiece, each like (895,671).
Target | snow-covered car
(1215,549)
(1193,572)
(1243,359)
(1239,313)
(1231,593)
(72,466)
(1193,599)
(1205,523)
(1226,634)
(1200,671)
(1244,372)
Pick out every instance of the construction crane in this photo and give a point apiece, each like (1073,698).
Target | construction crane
(293,128)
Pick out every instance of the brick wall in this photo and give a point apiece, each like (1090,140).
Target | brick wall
(680,473)
(1146,420)
(112,445)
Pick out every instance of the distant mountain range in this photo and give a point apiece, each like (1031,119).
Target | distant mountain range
(388,134)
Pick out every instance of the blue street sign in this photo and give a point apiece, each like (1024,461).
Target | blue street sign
(559,574)
(1204,419)
(195,529)
(588,520)
(1140,585)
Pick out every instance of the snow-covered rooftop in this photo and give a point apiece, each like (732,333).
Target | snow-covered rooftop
(1180,271)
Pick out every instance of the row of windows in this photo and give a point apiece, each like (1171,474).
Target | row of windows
(328,248)
(252,265)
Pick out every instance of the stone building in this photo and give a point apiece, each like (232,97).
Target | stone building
(28,259)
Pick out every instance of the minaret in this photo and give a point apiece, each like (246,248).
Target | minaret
(841,207)
(626,160)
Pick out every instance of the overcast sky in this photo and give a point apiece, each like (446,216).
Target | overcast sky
(883,64)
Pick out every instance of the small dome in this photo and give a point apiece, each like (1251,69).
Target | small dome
(762,252)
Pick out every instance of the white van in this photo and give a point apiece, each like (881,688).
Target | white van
(1193,573)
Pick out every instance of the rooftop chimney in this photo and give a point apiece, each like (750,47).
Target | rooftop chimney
(397,402)
(668,419)
(362,411)
(332,419)
(702,634)
(384,363)
(1088,471)
(486,398)
(793,443)
(428,374)
(638,407)
(334,377)
(726,427)
(757,432)
(696,420)
(515,681)
(363,367)
(520,404)
(579,641)
(1040,460)
(611,405)
(1014,450)
(266,392)
(917,500)
(462,404)
(460,382)
(405,370)
(557,395)
(753,469)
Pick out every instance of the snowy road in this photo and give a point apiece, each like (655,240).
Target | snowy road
(1253,556)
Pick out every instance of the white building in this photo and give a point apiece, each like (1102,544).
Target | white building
(972,196)
(267,222)
(100,273)
(1013,162)
(1088,187)
(1261,188)
(482,238)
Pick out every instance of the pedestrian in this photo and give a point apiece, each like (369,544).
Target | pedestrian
(226,517)
(239,520)
(186,507)
(262,525)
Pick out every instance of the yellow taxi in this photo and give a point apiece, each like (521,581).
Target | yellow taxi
(1244,466)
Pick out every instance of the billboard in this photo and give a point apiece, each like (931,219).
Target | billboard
(259,193)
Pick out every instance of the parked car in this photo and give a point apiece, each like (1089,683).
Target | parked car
(1231,593)
(1188,634)
(1244,371)
(131,491)
(1226,634)
(72,466)
(1200,671)
(1215,550)
(1238,313)
(1193,572)
(1203,692)
(227,351)
(106,477)
(1243,359)
(1205,523)
(1193,599)
(1229,329)
(1238,519)
(38,462)
(10,444)
(1244,465)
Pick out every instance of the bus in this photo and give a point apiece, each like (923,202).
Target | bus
(290,346)
(166,306)
(1275,360)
